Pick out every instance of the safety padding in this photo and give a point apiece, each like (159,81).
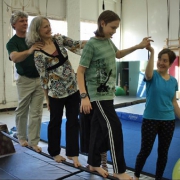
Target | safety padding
(131,113)
(6,145)
(44,132)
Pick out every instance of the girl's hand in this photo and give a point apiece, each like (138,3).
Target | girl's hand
(145,42)
(85,106)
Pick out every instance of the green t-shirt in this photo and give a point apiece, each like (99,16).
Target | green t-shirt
(27,67)
(99,57)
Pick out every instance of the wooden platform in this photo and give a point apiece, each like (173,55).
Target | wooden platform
(6,146)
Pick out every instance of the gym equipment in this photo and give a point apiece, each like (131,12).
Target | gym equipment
(120,91)
(28,164)
(131,119)
(176,171)
(6,145)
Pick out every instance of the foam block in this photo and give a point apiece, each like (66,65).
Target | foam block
(6,145)
(44,132)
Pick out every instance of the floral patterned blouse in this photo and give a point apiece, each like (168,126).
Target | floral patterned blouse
(56,72)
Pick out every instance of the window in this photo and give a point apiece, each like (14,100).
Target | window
(87,30)
(57,26)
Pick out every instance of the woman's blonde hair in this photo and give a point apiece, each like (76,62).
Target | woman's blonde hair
(32,35)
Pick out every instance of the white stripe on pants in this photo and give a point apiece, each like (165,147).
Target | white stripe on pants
(106,133)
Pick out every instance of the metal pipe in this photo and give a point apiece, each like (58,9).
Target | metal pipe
(3,58)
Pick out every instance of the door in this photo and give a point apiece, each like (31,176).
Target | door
(134,69)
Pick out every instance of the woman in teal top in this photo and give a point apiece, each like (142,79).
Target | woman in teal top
(160,109)
(98,65)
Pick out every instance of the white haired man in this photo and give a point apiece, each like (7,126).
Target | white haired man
(30,94)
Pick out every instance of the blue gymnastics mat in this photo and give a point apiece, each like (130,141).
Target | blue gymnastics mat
(131,118)
(131,113)
(44,132)
(26,164)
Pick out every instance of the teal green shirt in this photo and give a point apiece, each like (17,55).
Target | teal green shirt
(27,67)
(159,97)
(99,57)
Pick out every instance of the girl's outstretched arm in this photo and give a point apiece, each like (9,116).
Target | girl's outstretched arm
(144,43)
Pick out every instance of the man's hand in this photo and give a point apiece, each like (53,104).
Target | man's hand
(37,46)
(56,35)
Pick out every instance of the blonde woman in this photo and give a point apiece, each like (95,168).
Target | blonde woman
(58,81)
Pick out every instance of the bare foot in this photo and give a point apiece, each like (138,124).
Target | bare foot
(87,166)
(100,170)
(59,158)
(37,148)
(75,160)
(123,176)
(135,178)
(23,143)
(104,161)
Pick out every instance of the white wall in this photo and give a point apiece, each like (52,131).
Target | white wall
(71,10)
(1,55)
(134,24)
